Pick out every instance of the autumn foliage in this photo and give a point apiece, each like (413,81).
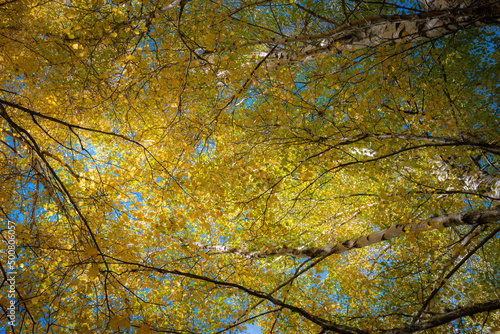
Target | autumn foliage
(301,166)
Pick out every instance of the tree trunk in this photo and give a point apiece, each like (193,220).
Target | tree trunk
(473,218)
(385,30)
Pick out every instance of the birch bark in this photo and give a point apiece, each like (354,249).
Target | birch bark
(384,30)
(473,218)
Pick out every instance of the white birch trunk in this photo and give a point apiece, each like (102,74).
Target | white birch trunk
(473,218)
(384,30)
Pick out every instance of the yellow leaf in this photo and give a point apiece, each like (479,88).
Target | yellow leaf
(206,225)
(144,329)
(94,270)
(114,323)
(91,251)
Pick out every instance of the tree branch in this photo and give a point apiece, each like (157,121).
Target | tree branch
(473,218)
(340,329)
(457,313)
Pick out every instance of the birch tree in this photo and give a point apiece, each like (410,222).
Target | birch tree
(302,166)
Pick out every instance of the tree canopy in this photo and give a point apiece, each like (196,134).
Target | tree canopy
(303,166)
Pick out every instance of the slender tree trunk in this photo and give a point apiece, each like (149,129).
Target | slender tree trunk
(473,218)
(385,30)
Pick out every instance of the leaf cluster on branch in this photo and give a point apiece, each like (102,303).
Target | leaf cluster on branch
(200,166)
